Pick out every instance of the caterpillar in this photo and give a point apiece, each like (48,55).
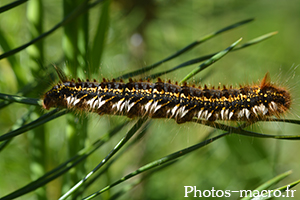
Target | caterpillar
(167,100)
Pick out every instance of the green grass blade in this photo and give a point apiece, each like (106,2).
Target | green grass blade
(261,135)
(164,160)
(282,189)
(19,123)
(138,126)
(37,141)
(292,121)
(230,27)
(77,12)
(11,5)
(203,58)
(273,181)
(100,38)
(139,180)
(26,90)
(75,46)
(21,99)
(269,183)
(241,131)
(210,61)
(6,44)
(64,167)
(40,121)
(185,49)
(107,166)
(256,40)
(263,193)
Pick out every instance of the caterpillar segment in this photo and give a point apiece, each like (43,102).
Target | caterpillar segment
(167,100)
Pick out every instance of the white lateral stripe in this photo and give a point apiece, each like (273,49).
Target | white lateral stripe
(90,102)
(254,110)
(168,112)
(217,116)
(241,113)
(122,106)
(96,102)
(119,105)
(174,110)
(222,114)
(247,113)
(182,112)
(101,103)
(226,113)
(148,106)
(130,106)
(157,108)
(199,114)
(76,101)
(152,108)
(208,116)
(273,106)
(179,111)
(68,99)
(230,115)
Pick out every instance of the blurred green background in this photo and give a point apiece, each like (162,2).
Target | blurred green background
(141,33)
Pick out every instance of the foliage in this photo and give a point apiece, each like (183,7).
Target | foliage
(60,154)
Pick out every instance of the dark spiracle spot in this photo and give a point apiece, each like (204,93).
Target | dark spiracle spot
(140,86)
(129,85)
(102,85)
(244,91)
(185,91)
(226,94)
(72,84)
(159,86)
(207,94)
(119,86)
(78,84)
(111,85)
(196,93)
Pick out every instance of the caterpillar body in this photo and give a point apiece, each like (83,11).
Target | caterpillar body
(167,100)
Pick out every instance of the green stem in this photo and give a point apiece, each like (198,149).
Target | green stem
(37,137)
(75,45)
(210,61)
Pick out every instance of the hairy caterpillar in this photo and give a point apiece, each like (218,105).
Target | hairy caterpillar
(166,100)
